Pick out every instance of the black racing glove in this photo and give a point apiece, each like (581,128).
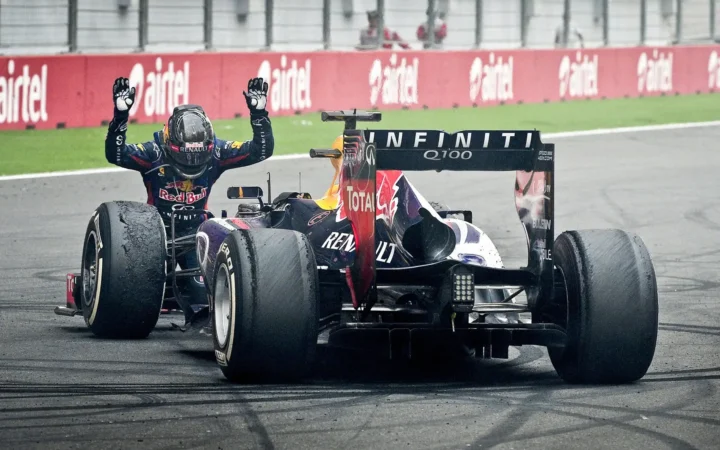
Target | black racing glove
(256,96)
(123,97)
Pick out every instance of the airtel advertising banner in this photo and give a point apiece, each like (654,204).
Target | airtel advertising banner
(75,90)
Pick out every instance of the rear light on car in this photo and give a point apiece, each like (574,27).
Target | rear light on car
(463,285)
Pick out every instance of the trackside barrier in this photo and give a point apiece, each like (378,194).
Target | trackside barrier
(75,90)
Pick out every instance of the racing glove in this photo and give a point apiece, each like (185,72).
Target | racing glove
(123,97)
(256,96)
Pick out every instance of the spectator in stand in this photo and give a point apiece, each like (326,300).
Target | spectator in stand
(439,30)
(575,38)
(369,37)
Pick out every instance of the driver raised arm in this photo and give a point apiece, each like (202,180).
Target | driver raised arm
(183,161)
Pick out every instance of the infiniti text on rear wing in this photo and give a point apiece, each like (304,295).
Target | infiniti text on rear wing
(496,150)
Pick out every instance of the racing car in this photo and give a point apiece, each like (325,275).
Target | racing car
(373,262)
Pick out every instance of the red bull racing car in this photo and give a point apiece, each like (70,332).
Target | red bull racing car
(374,262)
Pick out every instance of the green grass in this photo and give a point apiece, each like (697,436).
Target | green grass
(82,148)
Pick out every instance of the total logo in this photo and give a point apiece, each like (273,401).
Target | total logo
(579,77)
(714,70)
(395,83)
(491,80)
(160,89)
(23,94)
(655,72)
(359,200)
(289,88)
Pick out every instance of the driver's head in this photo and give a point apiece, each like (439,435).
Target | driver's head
(188,141)
(373,18)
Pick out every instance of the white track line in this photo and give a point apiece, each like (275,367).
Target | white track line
(565,134)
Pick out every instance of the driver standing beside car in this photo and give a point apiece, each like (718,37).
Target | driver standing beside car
(183,161)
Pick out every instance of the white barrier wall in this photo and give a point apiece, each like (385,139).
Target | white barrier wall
(31,26)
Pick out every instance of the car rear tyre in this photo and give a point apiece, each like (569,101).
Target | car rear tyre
(611,304)
(123,270)
(265,317)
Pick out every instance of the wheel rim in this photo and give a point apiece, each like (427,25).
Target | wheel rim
(223,304)
(89,270)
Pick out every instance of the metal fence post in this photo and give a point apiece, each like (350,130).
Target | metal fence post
(268,24)
(478,23)
(381,22)
(643,21)
(142,24)
(326,24)
(605,19)
(208,24)
(72,25)
(712,19)
(430,42)
(523,23)
(566,23)
(678,21)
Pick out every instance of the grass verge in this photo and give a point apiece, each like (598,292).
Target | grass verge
(31,151)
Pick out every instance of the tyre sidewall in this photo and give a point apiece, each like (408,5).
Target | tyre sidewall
(99,225)
(568,359)
(228,258)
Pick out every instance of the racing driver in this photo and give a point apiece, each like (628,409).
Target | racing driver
(183,161)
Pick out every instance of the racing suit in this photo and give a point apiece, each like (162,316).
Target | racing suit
(167,190)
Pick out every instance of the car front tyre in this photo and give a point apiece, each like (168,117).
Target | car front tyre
(123,270)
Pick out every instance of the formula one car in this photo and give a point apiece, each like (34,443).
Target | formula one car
(373,262)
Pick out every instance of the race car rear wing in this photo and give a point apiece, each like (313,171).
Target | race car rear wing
(367,151)
(471,150)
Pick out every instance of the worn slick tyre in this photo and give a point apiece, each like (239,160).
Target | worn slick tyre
(265,313)
(123,270)
(612,307)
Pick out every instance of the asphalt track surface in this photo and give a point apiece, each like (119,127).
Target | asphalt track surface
(63,388)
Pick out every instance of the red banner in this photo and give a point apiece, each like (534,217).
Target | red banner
(75,90)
